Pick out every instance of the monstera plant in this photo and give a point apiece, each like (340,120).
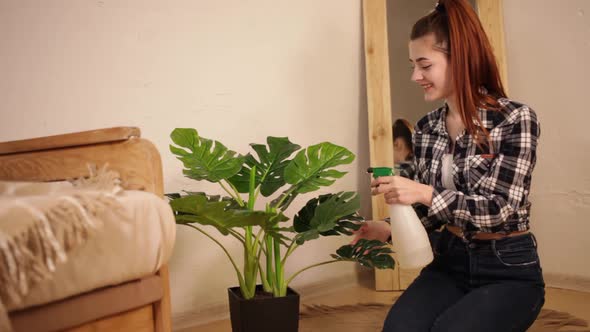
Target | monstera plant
(267,239)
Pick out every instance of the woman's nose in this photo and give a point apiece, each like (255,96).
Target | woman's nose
(416,75)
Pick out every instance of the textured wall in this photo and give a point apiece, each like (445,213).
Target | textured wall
(238,71)
(548,47)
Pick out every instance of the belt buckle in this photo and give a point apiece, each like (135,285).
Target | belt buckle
(458,233)
(462,236)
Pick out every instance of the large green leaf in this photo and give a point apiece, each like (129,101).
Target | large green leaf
(231,202)
(241,180)
(205,211)
(270,165)
(330,214)
(310,169)
(205,159)
(370,253)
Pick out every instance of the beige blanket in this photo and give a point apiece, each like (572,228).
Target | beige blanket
(40,223)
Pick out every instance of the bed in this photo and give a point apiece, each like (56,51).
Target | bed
(122,285)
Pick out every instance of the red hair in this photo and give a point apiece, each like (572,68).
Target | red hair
(459,33)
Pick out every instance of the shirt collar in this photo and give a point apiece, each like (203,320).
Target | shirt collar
(441,126)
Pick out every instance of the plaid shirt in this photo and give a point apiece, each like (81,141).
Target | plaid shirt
(406,169)
(492,184)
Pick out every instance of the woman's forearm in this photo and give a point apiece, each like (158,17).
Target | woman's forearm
(426,195)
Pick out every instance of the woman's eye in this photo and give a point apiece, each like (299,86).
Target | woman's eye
(421,67)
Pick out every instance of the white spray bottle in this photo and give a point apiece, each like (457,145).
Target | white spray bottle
(408,235)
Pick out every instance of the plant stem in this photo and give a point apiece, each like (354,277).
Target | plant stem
(270,273)
(248,237)
(250,267)
(263,275)
(285,195)
(257,191)
(262,178)
(307,268)
(238,197)
(250,253)
(237,235)
(240,278)
(265,285)
(290,250)
(257,242)
(248,272)
(260,251)
(278,268)
(252,188)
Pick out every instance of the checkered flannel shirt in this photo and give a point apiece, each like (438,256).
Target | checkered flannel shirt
(406,169)
(492,184)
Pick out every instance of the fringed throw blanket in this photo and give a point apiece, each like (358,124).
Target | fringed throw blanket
(40,223)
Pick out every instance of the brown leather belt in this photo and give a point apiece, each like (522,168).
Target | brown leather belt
(484,236)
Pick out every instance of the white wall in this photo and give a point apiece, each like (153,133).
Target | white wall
(238,71)
(548,47)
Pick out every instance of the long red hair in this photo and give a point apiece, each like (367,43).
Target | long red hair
(459,33)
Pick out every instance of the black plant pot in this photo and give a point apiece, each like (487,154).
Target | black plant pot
(263,313)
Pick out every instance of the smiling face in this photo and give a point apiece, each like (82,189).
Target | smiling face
(431,69)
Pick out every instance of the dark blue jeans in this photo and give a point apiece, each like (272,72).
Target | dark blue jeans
(476,286)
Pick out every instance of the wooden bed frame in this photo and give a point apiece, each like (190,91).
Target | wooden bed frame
(66,156)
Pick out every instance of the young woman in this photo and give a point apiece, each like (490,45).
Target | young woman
(474,159)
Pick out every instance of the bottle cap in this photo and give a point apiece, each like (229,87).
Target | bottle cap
(380,171)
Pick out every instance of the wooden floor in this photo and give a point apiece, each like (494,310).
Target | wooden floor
(574,302)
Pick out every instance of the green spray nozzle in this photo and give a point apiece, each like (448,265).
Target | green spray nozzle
(380,171)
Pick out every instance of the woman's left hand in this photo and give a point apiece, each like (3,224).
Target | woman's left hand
(399,190)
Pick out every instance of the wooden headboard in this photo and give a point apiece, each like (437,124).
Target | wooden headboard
(67,156)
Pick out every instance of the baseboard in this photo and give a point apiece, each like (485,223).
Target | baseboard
(220,311)
(558,280)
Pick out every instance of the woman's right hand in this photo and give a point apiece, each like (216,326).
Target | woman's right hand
(373,230)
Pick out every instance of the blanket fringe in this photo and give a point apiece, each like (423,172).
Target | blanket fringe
(101,179)
(31,254)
